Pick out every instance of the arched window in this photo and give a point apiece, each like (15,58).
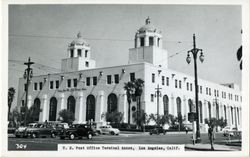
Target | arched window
(225,112)
(71,104)
(232,115)
(178,103)
(90,111)
(209,110)
(190,105)
(238,115)
(217,111)
(151,41)
(52,109)
(36,109)
(200,112)
(112,102)
(165,104)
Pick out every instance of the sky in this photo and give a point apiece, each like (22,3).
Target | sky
(43,33)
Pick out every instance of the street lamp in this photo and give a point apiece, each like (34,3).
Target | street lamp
(195,52)
(28,74)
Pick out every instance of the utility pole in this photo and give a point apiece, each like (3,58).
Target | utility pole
(158,94)
(27,75)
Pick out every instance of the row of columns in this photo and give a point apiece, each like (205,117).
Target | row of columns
(233,117)
(146,41)
(80,108)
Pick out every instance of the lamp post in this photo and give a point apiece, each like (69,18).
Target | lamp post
(28,74)
(195,52)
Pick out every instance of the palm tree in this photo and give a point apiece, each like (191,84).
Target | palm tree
(11,94)
(129,87)
(139,83)
(239,56)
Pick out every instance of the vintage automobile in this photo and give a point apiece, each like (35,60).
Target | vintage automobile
(77,130)
(157,130)
(21,131)
(41,130)
(108,129)
(229,131)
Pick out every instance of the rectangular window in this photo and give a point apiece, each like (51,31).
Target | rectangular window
(23,103)
(201,89)
(142,41)
(109,79)
(215,93)
(35,86)
(206,90)
(209,91)
(57,84)
(132,76)
(153,78)
(75,82)
(167,83)
(86,53)
(86,64)
(116,78)
(79,52)
(152,97)
(163,80)
(87,81)
(158,42)
(25,87)
(191,86)
(69,83)
(176,85)
(71,53)
(187,86)
(40,85)
(151,41)
(180,84)
(94,80)
(51,84)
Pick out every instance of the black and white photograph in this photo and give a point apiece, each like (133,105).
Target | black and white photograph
(147,79)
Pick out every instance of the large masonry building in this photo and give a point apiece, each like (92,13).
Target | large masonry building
(89,92)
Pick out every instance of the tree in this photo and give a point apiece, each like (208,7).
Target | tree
(140,117)
(33,113)
(160,120)
(139,83)
(216,122)
(239,56)
(66,116)
(11,94)
(129,87)
(114,117)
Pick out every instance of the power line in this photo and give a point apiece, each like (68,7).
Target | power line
(101,39)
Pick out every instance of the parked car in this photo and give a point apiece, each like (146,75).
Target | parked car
(41,130)
(157,130)
(21,131)
(108,129)
(77,130)
(229,131)
(60,126)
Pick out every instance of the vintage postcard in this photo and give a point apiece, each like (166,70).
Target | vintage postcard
(125,78)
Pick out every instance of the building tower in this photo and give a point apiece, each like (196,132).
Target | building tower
(78,56)
(148,46)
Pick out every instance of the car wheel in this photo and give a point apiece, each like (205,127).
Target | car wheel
(89,136)
(53,135)
(112,133)
(71,136)
(150,133)
(33,135)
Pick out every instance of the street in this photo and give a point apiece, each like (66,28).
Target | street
(141,138)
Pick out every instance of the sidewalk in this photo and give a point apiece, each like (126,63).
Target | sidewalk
(207,147)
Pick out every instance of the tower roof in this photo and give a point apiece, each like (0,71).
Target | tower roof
(147,27)
(79,40)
